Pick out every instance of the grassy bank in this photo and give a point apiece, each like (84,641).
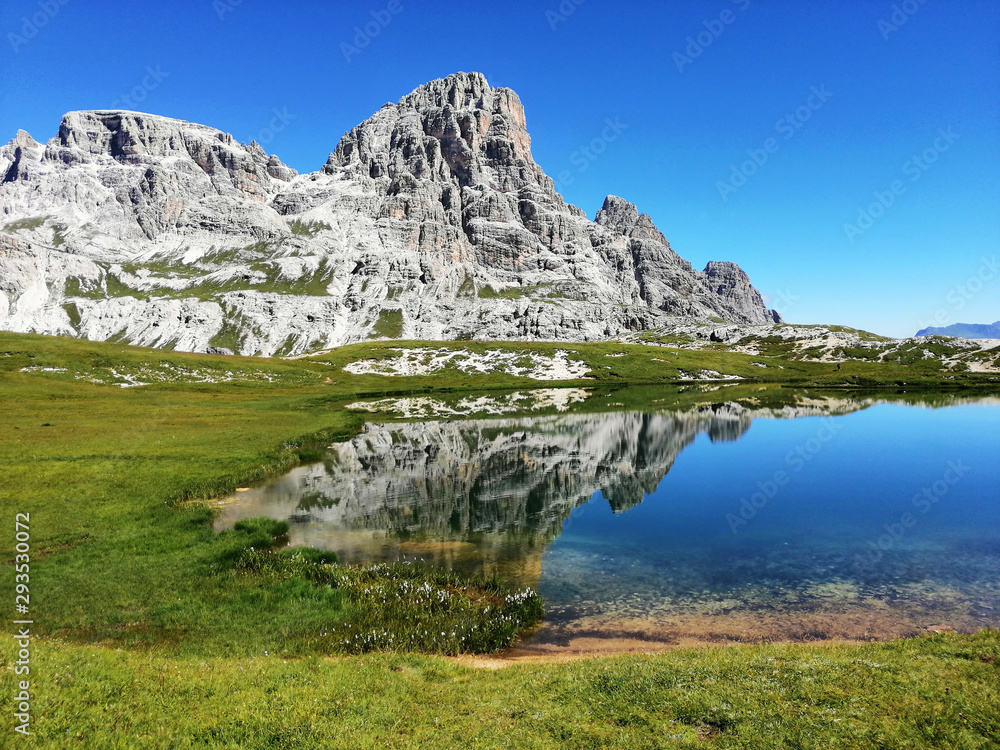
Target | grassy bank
(123,556)
(934,692)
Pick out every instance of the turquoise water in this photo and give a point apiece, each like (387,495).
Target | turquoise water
(845,519)
(851,529)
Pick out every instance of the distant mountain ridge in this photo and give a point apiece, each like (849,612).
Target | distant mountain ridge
(965,330)
(430,220)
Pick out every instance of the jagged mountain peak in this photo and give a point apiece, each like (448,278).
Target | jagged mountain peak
(460,90)
(123,133)
(620,216)
(457,130)
(24,140)
(617,213)
(430,220)
(142,138)
(728,280)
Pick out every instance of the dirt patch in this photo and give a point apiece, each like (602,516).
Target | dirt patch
(604,636)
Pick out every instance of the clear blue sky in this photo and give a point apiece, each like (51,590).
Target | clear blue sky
(884,96)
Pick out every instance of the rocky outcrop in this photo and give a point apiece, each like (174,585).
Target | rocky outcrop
(730,282)
(429,220)
(621,217)
(817,343)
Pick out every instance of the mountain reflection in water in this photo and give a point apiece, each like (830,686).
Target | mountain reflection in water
(480,492)
(495,496)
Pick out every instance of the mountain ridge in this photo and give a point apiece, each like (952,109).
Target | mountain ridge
(964,330)
(429,220)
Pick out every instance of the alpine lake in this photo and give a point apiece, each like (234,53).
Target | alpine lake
(827,517)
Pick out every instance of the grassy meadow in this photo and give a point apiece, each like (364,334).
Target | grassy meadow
(151,630)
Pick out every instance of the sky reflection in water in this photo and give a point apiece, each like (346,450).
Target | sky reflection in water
(713,524)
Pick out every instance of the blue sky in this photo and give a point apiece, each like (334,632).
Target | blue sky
(844,153)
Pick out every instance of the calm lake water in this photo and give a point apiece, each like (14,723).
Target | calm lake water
(832,519)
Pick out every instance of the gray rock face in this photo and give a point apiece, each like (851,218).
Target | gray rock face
(620,216)
(430,220)
(731,283)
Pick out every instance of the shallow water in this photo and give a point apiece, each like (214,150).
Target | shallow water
(835,519)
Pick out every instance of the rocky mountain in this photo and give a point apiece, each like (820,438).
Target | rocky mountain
(965,331)
(430,220)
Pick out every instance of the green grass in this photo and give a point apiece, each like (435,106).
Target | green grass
(864,335)
(513,292)
(659,364)
(170,268)
(392,607)
(115,287)
(228,336)
(126,553)
(389,325)
(74,314)
(308,229)
(665,339)
(270,281)
(31,223)
(467,287)
(235,254)
(933,692)
(152,628)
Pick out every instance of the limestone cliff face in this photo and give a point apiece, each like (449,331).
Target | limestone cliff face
(429,220)
(731,283)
